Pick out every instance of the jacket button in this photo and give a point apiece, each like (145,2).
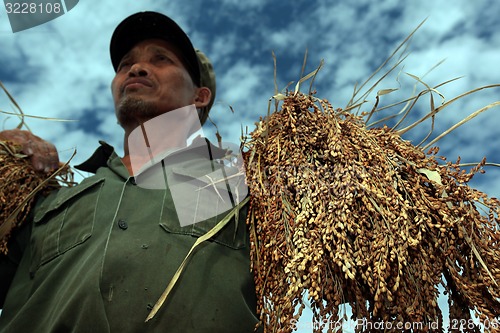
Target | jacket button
(122,224)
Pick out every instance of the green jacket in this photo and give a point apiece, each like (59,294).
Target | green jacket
(100,254)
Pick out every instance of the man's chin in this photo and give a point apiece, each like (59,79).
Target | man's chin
(133,108)
(133,102)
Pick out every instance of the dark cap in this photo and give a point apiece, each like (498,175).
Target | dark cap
(147,25)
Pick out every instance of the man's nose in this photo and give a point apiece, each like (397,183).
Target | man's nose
(138,69)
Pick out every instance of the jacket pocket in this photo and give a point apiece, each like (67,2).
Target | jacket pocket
(64,220)
(199,203)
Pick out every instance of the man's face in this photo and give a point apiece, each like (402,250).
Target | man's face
(150,81)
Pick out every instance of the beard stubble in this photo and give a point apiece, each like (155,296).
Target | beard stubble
(133,110)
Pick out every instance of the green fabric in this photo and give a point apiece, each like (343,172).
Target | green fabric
(101,254)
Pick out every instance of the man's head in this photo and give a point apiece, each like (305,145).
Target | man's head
(157,68)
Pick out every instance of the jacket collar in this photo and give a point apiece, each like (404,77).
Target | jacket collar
(105,154)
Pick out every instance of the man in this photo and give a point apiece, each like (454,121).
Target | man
(96,257)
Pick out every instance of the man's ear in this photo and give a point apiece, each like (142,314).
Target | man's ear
(203,97)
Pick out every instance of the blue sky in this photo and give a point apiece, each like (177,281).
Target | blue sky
(62,69)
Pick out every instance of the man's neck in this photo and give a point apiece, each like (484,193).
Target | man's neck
(128,165)
(157,136)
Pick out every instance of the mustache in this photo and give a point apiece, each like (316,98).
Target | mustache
(140,80)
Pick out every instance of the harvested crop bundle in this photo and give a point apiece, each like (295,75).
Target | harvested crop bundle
(19,184)
(351,214)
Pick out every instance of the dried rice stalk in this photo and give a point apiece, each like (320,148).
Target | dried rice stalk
(354,214)
(19,184)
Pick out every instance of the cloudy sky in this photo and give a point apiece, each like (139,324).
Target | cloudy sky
(61,69)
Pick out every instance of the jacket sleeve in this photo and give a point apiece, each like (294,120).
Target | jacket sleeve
(9,262)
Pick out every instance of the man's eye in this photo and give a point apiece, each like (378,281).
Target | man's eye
(162,57)
(123,66)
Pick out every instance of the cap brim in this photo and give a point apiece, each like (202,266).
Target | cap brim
(148,25)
